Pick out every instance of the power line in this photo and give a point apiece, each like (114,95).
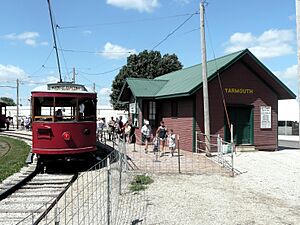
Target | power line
(7,86)
(123,22)
(218,75)
(58,39)
(92,52)
(177,28)
(101,73)
(43,65)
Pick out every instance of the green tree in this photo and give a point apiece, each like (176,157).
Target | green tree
(8,101)
(146,64)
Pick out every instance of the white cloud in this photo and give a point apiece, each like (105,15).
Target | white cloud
(140,5)
(292,17)
(289,73)
(183,1)
(86,32)
(45,43)
(11,73)
(113,51)
(271,43)
(36,81)
(29,38)
(289,77)
(105,91)
(104,97)
(31,42)
(7,94)
(22,36)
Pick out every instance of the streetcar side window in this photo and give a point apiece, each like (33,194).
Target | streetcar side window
(42,109)
(87,109)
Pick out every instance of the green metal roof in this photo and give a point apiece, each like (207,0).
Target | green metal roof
(145,87)
(186,81)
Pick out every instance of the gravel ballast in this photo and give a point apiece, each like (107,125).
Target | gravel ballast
(267,192)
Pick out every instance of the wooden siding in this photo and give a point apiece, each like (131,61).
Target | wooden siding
(182,125)
(240,76)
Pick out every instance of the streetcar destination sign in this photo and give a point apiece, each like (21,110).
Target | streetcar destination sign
(66,87)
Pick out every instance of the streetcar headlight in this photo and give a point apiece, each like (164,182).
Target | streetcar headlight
(66,136)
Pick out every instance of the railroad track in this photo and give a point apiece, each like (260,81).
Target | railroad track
(24,136)
(27,196)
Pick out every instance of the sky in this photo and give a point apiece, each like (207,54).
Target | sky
(96,36)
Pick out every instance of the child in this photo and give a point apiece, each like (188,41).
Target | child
(172,142)
(155,145)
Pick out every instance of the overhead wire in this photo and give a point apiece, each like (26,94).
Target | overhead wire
(218,75)
(102,73)
(123,22)
(177,28)
(93,52)
(127,52)
(43,65)
(59,43)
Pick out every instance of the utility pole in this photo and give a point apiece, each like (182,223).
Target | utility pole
(74,74)
(204,80)
(18,103)
(298,56)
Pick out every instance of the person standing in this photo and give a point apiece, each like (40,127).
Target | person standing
(111,128)
(172,142)
(162,134)
(127,128)
(121,127)
(146,134)
(100,127)
(27,123)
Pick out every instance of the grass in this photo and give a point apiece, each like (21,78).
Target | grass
(139,183)
(14,159)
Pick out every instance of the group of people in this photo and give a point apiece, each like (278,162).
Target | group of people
(24,122)
(161,136)
(116,128)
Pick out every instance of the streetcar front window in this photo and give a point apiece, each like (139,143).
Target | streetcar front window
(61,109)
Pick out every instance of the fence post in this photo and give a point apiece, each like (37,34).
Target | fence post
(32,218)
(219,148)
(108,192)
(120,170)
(196,147)
(231,145)
(178,154)
(56,215)
(125,155)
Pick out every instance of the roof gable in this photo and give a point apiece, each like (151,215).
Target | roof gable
(185,81)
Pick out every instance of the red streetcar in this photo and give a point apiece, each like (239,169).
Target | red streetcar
(63,120)
(2,114)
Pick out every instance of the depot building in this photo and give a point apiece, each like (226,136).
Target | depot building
(242,91)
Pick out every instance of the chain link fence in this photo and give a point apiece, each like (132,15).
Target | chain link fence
(222,152)
(159,159)
(100,195)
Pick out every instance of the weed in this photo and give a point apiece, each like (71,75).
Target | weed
(139,183)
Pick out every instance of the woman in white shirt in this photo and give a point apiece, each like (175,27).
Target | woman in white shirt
(146,134)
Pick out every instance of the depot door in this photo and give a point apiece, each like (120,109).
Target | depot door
(242,119)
